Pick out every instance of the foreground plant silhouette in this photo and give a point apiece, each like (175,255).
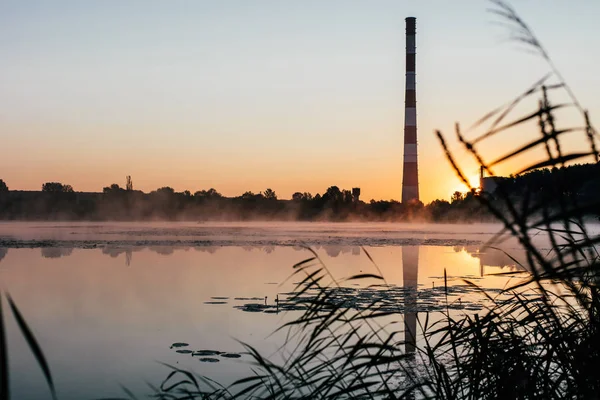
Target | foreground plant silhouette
(33,346)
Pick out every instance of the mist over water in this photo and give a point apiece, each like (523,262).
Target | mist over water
(81,234)
(106,301)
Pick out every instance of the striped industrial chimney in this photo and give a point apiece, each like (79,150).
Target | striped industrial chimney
(410,179)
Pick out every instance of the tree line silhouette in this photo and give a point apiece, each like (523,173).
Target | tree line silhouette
(58,201)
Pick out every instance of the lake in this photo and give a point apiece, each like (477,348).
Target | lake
(107,301)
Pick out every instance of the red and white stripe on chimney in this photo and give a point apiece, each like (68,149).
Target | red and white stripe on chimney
(410,179)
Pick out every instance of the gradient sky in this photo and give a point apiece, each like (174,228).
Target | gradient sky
(243,95)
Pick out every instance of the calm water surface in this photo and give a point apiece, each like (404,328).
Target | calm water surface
(107,310)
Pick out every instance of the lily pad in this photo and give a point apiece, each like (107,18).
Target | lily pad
(208,359)
(206,353)
(215,302)
(219,298)
(179,344)
(231,355)
(183,351)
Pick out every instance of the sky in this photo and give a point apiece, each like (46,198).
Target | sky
(253,94)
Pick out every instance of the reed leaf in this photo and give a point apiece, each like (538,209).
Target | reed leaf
(33,345)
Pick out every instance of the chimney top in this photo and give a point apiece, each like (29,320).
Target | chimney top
(411,23)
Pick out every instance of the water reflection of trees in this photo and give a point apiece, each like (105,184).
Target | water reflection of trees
(115,251)
(163,250)
(330,250)
(207,249)
(335,250)
(56,252)
(3,252)
(268,249)
(490,258)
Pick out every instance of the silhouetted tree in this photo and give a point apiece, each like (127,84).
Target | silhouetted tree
(213,193)
(56,187)
(545,185)
(334,194)
(299,196)
(166,190)
(114,188)
(456,197)
(208,194)
(270,194)
(439,210)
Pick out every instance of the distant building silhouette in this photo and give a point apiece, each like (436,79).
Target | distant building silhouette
(356,195)
(129,184)
(487,184)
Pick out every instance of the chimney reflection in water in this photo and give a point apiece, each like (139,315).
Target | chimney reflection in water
(410,271)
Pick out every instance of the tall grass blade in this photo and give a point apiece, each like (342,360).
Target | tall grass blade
(530,146)
(445,282)
(33,345)
(4,388)
(509,107)
(559,160)
(128,392)
(364,276)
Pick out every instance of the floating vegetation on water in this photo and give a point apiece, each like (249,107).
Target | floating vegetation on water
(231,355)
(248,298)
(390,298)
(208,360)
(253,307)
(215,302)
(271,309)
(179,344)
(206,353)
(220,298)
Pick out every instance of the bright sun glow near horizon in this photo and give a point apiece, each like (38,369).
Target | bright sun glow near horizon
(237,95)
(463,188)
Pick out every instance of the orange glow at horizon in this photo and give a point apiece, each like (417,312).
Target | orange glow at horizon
(231,182)
(376,168)
(462,187)
(279,98)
